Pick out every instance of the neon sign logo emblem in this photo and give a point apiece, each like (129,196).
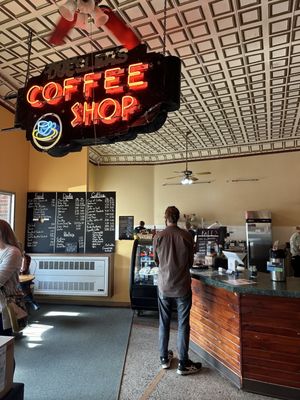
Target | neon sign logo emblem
(47,131)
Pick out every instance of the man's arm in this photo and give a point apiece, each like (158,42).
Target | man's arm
(155,244)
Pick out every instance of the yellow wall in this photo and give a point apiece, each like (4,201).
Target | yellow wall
(122,270)
(58,174)
(134,196)
(134,187)
(14,156)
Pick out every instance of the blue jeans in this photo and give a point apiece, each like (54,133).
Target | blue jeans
(183,305)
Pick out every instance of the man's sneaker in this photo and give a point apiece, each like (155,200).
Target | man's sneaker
(188,367)
(166,361)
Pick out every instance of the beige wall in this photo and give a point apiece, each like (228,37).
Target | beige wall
(14,156)
(140,191)
(277,189)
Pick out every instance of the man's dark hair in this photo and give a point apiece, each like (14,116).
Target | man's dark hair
(172,214)
(142,223)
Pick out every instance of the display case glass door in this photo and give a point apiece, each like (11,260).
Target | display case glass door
(145,269)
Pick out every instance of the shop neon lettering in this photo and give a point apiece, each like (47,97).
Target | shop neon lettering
(108,111)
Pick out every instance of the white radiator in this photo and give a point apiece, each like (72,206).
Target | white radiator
(70,275)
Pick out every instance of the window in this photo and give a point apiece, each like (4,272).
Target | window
(7,207)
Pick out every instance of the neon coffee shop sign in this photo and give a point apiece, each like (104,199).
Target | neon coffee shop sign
(98,98)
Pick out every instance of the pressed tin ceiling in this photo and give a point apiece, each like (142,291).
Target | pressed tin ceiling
(240,72)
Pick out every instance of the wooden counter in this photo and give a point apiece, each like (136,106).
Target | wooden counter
(250,333)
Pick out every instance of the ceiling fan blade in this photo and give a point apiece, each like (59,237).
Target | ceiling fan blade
(61,30)
(172,184)
(203,173)
(196,183)
(193,178)
(172,177)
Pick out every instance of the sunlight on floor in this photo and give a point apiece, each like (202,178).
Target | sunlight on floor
(61,313)
(34,332)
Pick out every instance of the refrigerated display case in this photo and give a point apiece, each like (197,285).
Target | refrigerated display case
(143,277)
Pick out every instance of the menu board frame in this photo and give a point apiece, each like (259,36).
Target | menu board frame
(70,222)
(126,227)
(40,222)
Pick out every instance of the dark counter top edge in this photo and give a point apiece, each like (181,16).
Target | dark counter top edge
(245,289)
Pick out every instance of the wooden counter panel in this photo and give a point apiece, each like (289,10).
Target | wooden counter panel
(271,339)
(282,378)
(213,313)
(228,358)
(264,354)
(215,324)
(232,347)
(229,333)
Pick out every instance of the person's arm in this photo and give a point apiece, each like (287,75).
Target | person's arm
(10,263)
(155,256)
(190,245)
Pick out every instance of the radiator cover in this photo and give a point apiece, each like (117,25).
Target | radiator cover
(70,275)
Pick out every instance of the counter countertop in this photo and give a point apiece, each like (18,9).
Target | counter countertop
(262,285)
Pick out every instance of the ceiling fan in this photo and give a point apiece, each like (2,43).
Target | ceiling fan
(187,177)
(78,13)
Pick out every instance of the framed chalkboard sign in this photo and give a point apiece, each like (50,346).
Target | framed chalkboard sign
(40,222)
(126,227)
(100,222)
(70,222)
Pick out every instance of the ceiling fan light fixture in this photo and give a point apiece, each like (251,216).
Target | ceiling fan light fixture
(82,21)
(67,11)
(186,181)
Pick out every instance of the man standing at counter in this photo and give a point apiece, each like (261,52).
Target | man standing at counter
(173,253)
(295,251)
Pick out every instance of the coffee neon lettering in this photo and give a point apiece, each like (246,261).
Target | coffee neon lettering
(90,81)
(136,76)
(108,110)
(112,80)
(52,93)
(70,87)
(32,96)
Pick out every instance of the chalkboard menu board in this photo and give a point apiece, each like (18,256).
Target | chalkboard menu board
(40,222)
(126,227)
(66,222)
(70,222)
(100,222)
(208,238)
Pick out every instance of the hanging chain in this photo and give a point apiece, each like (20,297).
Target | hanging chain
(28,56)
(165,28)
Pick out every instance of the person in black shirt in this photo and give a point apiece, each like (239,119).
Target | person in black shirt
(188,227)
(141,228)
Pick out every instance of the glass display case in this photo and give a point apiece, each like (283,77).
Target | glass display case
(143,276)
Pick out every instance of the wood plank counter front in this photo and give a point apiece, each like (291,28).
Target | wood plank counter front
(250,333)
